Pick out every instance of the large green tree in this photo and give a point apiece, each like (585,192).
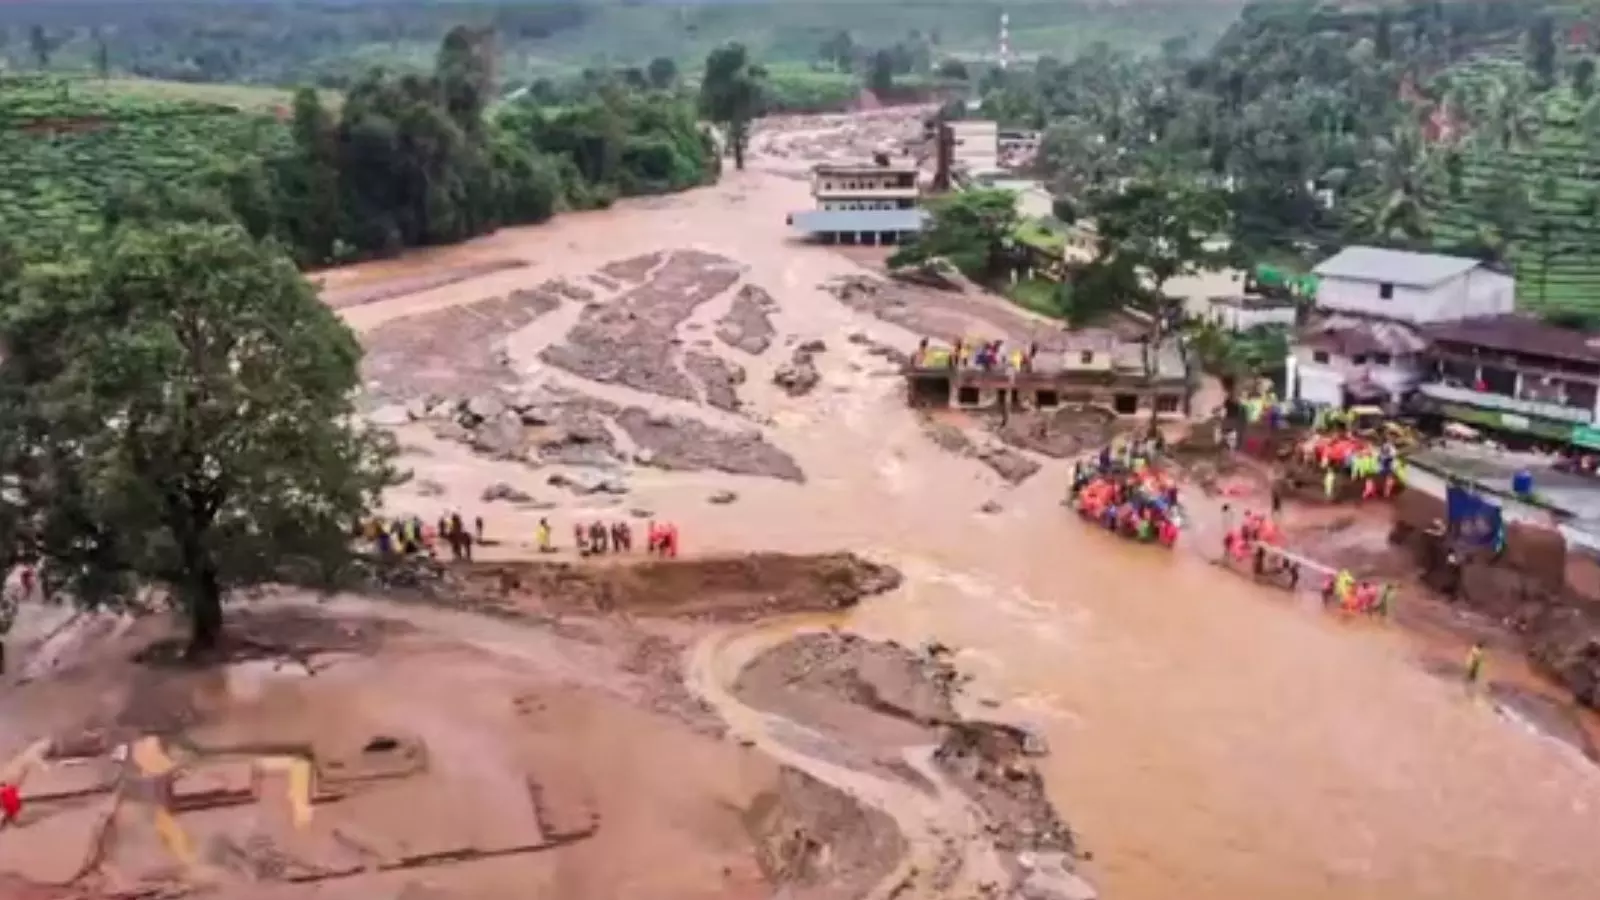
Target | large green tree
(176,408)
(971,229)
(731,95)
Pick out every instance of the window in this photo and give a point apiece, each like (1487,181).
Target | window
(1319,356)
(1385,291)
(1166,403)
(1086,357)
(1382,359)
(1359,359)
(1047,399)
(968,396)
(1125,404)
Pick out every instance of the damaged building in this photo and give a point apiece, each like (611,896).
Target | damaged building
(1086,368)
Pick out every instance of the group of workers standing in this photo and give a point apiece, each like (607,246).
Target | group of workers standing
(988,356)
(597,538)
(411,535)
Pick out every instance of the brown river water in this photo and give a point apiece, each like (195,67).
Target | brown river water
(1211,740)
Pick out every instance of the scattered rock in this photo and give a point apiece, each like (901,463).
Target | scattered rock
(815,345)
(641,513)
(586,483)
(1008,464)
(798,376)
(427,487)
(482,408)
(747,326)
(391,416)
(501,438)
(992,507)
(722,498)
(1056,884)
(631,342)
(718,377)
(502,491)
(686,444)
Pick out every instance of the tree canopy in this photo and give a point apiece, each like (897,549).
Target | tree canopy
(731,95)
(178,410)
(970,229)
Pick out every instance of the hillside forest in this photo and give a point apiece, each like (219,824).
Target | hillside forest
(1467,127)
(401,161)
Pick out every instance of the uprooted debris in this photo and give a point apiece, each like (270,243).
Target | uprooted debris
(1011,466)
(799,376)
(747,325)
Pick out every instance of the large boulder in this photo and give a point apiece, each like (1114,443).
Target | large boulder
(501,437)
(797,377)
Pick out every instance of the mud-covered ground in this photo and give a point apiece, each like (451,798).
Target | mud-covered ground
(866,703)
(547,741)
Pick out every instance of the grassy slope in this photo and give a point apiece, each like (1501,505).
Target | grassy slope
(1569,280)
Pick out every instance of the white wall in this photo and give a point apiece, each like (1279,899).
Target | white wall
(1478,292)
(864,181)
(1237,318)
(1402,374)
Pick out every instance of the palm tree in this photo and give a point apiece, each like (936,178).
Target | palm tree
(1403,169)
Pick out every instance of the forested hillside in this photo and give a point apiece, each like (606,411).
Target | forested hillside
(1471,127)
(405,161)
(331,43)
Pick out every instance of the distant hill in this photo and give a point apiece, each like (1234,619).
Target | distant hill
(329,42)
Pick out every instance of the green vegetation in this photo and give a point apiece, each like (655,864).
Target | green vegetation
(176,408)
(971,230)
(405,161)
(332,43)
(1469,127)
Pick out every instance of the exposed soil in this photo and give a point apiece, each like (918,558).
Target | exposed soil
(943,315)
(1010,465)
(718,378)
(678,442)
(720,589)
(453,352)
(747,325)
(820,844)
(389,289)
(633,270)
(632,340)
(1063,433)
(874,699)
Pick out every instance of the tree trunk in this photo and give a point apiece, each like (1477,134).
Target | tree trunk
(201,593)
(738,132)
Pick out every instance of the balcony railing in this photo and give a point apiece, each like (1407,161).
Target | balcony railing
(1484,400)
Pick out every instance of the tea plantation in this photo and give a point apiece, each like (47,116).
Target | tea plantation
(64,148)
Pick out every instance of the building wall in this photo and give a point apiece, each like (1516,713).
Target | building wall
(831,204)
(829,182)
(1238,318)
(1478,292)
(1322,382)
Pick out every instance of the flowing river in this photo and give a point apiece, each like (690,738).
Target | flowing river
(1210,740)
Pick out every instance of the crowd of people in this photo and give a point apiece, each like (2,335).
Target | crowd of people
(1341,456)
(1126,492)
(984,355)
(411,535)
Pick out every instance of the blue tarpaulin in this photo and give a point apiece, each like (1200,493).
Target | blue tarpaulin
(1472,518)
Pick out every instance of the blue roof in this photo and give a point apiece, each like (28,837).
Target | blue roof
(826,220)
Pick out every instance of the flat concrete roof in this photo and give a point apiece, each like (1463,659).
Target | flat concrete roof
(840,220)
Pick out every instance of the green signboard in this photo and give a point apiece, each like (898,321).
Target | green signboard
(1586,436)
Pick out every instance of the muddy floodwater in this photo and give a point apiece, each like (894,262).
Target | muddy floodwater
(1210,740)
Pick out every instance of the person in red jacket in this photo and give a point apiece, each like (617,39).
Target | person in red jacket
(10,804)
